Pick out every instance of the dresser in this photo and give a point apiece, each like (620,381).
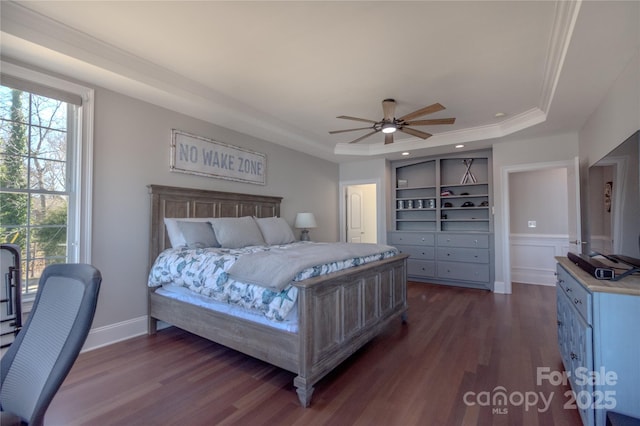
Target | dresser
(599,342)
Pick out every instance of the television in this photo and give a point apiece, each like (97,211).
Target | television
(613,202)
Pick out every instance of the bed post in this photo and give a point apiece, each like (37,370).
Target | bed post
(304,388)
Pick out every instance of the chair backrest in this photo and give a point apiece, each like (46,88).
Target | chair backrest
(44,351)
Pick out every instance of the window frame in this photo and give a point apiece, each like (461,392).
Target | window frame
(80,159)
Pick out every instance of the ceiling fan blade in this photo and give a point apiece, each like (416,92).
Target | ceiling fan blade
(389,109)
(333,132)
(423,111)
(346,117)
(430,122)
(388,138)
(414,132)
(365,136)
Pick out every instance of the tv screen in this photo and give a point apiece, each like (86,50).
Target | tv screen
(614,201)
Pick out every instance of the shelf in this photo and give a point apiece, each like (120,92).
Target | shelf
(420,182)
(410,188)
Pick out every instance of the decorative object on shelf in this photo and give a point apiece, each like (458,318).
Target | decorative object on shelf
(402,183)
(468,176)
(431,203)
(484,204)
(467,204)
(448,204)
(305,221)
(446,193)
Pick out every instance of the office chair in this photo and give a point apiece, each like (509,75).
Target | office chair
(37,362)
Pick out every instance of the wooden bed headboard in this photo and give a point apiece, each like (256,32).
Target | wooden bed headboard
(169,201)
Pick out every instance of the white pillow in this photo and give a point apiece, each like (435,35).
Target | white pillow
(275,230)
(237,232)
(198,234)
(175,235)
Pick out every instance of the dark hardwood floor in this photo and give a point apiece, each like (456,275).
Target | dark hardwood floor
(460,351)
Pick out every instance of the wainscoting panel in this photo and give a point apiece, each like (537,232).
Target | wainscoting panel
(533,257)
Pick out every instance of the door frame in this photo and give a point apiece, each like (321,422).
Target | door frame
(380,205)
(505,286)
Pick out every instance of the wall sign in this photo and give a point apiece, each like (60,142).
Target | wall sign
(205,157)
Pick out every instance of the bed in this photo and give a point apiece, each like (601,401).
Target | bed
(336,313)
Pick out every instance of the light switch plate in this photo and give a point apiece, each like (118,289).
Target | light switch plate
(532,224)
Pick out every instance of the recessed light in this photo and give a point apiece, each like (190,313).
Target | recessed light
(405,153)
(500,114)
(459,146)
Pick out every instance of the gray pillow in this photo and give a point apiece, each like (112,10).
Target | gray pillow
(198,234)
(275,230)
(237,232)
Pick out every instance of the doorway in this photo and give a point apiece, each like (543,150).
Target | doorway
(360,213)
(548,227)
(361,216)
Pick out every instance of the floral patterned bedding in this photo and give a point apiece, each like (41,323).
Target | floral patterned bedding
(205,272)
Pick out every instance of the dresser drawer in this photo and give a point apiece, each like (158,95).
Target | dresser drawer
(412,238)
(579,297)
(421,268)
(463,240)
(418,252)
(463,271)
(457,254)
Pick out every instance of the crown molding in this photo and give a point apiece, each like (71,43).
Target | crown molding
(38,40)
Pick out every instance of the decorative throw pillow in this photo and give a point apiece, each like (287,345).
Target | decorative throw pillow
(237,232)
(198,234)
(275,230)
(175,234)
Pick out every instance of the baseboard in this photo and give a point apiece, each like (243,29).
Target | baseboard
(499,287)
(109,334)
(533,276)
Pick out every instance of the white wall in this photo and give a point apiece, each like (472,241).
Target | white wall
(540,196)
(369,171)
(131,149)
(524,152)
(616,118)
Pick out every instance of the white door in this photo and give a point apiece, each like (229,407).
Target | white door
(354,215)
(361,213)
(573,192)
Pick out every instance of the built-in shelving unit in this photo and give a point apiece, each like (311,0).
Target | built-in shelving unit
(437,198)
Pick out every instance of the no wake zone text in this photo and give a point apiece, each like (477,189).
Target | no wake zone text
(220,160)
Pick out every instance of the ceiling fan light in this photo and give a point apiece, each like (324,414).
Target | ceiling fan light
(389,128)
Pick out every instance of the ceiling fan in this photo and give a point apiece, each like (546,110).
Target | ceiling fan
(390,124)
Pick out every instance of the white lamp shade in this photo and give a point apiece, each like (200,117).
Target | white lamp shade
(305,220)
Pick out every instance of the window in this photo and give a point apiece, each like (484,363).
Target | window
(45,171)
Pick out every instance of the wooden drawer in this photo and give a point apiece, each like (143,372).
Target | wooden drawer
(421,268)
(579,297)
(463,271)
(457,254)
(418,252)
(412,238)
(463,240)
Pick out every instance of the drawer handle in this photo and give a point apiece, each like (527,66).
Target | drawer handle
(559,323)
(569,289)
(573,356)
(577,301)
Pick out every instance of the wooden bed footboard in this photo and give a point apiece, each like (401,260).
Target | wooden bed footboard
(338,315)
